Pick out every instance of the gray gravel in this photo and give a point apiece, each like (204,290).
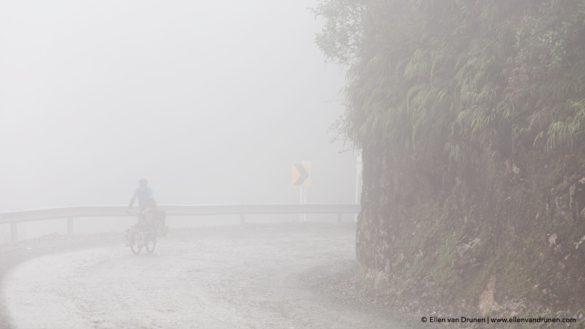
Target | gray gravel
(252,277)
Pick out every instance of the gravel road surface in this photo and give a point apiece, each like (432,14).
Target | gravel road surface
(240,277)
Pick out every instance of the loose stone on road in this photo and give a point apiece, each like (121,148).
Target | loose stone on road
(211,278)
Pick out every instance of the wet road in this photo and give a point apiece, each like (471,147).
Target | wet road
(225,278)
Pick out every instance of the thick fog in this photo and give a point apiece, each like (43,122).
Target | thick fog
(211,101)
(469,115)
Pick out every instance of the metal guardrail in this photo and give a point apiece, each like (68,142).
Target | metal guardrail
(70,213)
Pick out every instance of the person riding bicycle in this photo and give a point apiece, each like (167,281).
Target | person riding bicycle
(146,202)
(151,220)
(149,216)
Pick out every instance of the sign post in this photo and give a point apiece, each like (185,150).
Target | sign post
(301,178)
(358,180)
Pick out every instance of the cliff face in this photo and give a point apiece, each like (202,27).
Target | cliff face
(502,225)
(471,119)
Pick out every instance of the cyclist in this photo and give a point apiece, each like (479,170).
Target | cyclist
(148,214)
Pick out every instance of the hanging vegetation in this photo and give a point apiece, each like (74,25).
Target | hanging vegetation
(471,119)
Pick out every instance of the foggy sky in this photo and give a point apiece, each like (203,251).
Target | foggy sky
(211,101)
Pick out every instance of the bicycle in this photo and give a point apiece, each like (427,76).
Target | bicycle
(144,235)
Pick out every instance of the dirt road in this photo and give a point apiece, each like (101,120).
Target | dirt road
(254,277)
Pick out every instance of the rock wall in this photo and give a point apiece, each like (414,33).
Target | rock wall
(505,232)
(471,120)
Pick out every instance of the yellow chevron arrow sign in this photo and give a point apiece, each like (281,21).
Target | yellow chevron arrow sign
(301,174)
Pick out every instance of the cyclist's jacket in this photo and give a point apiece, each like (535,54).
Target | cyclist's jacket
(145,198)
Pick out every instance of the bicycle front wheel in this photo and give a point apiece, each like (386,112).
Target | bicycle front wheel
(150,245)
(136,242)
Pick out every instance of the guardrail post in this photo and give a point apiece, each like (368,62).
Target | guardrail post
(69,226)
(242,219)
(13,232)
